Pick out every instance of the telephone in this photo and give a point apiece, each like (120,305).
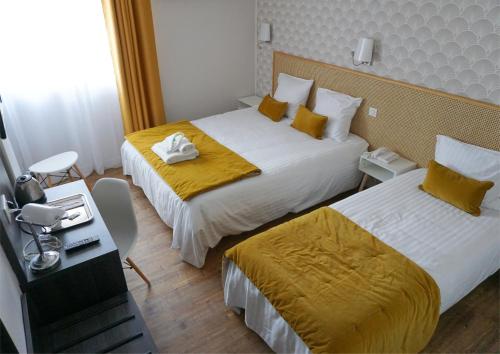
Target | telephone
(383,154)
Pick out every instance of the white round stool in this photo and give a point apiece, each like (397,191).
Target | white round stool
(59,166)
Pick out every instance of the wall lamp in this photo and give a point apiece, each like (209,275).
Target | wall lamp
(265,32)
(363,53)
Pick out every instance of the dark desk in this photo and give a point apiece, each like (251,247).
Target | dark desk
(83,305)
(84,277)
(91,254)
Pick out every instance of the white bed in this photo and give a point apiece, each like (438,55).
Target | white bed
(297,172)
(458,250)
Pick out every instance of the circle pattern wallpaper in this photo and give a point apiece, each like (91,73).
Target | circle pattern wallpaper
(449,45)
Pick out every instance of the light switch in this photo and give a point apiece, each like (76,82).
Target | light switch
(372,112)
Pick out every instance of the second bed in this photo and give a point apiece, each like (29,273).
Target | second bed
(458,250)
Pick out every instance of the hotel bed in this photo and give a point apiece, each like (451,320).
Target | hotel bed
(456,249)
(297,172)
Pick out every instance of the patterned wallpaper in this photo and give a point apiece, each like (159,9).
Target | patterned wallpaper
(449,45)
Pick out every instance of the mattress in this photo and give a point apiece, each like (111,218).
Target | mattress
(297,172)
(458,250)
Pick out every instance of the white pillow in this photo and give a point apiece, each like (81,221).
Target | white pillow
(474,162)
(293,90)
(340,109)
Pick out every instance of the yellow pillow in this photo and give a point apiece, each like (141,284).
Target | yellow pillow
(309,122)
(463,192)
(273,109)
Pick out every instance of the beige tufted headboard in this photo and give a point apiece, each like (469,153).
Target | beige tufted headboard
(409,116)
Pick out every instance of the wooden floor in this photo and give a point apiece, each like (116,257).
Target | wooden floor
(184,308)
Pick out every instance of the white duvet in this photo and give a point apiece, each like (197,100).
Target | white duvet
(458,250)
(297,172)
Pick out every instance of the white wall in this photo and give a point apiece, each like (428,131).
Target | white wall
(206,54)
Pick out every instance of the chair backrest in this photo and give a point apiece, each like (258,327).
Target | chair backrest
(112,197)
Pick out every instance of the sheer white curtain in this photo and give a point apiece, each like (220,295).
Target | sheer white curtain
(57,82)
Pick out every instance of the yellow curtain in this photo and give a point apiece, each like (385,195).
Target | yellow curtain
(132,40)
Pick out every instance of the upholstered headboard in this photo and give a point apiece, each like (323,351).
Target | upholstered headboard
(409,116)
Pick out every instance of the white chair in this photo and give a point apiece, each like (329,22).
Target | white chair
(112,197)
(64,163)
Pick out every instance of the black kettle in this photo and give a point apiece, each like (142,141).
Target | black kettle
(28,190)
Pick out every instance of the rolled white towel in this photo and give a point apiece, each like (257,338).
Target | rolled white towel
(186,146)
(177,143)
(173,157)
(172,142)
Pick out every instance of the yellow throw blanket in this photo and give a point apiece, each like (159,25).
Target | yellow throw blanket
(215,167)
(339,287)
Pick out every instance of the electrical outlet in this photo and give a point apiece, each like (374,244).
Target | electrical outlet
(5,207)
(372,112)
(9,213)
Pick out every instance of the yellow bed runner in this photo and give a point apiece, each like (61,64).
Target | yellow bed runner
(340,288)
(216,166)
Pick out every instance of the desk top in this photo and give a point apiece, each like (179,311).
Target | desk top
(95,227)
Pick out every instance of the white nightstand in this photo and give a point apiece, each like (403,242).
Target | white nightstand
(383,171)
(249,101)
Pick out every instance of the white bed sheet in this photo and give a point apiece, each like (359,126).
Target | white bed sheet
(297,172)
(458,250)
